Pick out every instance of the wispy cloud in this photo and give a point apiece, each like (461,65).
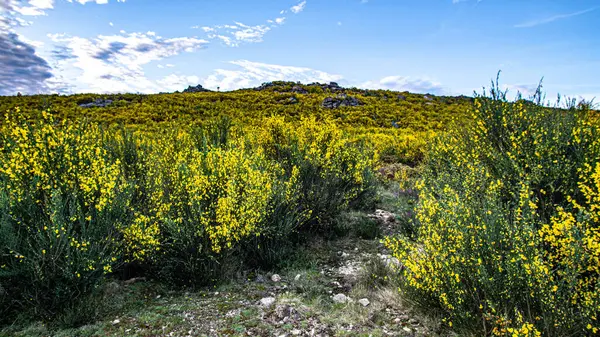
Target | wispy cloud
(298,8)
(538,22)
(250,74)
(116,63)
(234,35)
(403,83)
(39,7)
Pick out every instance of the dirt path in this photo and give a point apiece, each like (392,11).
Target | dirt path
(347,291)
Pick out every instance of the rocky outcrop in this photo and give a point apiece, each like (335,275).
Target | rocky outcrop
(339,101)
(299,90)
(100,103)
(289,100)
(332,86)
(197,88)
(297,87)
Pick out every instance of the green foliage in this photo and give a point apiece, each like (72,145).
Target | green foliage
(399,124)
(79,201)
(357,224)
(507,242)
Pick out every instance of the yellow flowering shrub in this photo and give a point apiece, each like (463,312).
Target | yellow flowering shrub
(335,170)
(60,194)
(80,200)
(507,237)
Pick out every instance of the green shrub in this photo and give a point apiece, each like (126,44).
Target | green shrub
(507,242)
(61,195)
(187,205)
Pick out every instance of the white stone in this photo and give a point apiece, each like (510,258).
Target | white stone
(296,332)
(297,278)
(341,298)
(364,302)
(275,278)
(267,301)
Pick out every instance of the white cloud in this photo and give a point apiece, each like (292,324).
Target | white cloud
(249,74)
(402,83)
(35,7)
(115,63)
(39,7)
(234,35)
(250,33)
(553,18)
(226,39)
(298,8)
(111,24)
(176,82)
(100,2)
(252,74)
(36,44)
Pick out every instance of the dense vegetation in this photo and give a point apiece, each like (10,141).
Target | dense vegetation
(399,123)
(508,237)
(79,202)
(187,188)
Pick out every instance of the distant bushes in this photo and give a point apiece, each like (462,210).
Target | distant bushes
(399,125)
(508,234)
(79,202)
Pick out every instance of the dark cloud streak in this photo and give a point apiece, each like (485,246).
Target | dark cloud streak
(21,70)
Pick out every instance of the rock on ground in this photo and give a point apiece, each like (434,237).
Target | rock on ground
(100,103)
(339,101)
(341,298)
(267,301)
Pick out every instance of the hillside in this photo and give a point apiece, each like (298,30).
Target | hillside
(398,122)
(292,209)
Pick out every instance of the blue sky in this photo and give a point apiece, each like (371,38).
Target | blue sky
(436,46)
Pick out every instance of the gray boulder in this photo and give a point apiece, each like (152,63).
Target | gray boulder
(267,302)
(364,302)
(339,101)
(341,298)
(100,103)
(299,90)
